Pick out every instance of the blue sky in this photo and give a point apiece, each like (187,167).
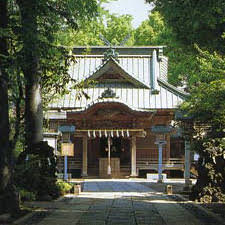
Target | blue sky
(137,8)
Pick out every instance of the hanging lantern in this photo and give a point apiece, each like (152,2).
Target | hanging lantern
(100,133)
(89,134)
(117,133)
(105,133)
(122,134)
(111,133)
(127,133)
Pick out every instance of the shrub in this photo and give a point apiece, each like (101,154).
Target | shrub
(27,195)
(35,171)
(63,187)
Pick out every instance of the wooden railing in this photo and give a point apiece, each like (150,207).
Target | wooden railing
(150,153)
(152,164)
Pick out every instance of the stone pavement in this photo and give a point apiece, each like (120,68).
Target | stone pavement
(118,202)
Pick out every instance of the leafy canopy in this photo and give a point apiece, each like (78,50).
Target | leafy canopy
(201,22)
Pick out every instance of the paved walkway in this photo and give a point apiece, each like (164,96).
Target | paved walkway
(119,202)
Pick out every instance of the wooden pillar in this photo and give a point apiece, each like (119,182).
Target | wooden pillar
(84,157)
(187,163)
(133,157)
(167,147)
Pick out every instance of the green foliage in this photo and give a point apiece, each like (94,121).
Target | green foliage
(114,28)
(33,41)
(63,187)
(210,186)
(155,31)
(118,27)
(211,66)
(35,172)
(206,103)
(201,22)
(27,195)
(207,108)
(198,29)
(186,23)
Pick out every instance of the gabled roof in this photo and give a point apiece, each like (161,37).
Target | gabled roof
(110,67)
(137,66)
(130,72)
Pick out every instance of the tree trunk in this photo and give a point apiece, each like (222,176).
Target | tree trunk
(18,101)
(8,196)
(31,70)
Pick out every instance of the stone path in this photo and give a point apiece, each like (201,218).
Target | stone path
(118,203)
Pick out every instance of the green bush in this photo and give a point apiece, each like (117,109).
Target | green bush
(27,195)
(35,171)
(63,187)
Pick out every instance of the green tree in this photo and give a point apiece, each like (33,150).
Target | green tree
(118,28)
(114,28)
(200,22)
(207,108)
(200,27)
(30,61)
(155,31)
(8,199)
(39,21)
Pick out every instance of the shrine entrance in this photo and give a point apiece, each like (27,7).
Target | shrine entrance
(118,158)
(98,153)
(120,148)
(104,126)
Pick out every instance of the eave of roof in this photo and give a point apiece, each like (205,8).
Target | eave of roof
(172,88)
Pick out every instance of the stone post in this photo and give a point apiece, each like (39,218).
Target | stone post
(133,157)
(84,157)
(160,177)
(160,144)
(65,168)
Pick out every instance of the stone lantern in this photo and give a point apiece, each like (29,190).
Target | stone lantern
(186,122)
(160,131)
(67,148)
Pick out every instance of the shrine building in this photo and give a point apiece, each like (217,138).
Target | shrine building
(122,122)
